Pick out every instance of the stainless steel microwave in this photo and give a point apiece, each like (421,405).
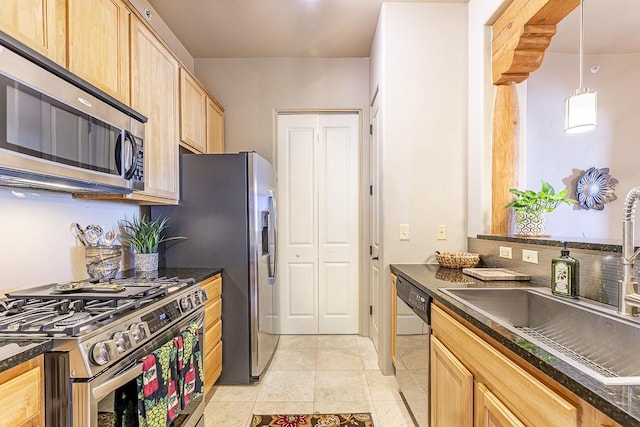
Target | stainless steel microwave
(56,136)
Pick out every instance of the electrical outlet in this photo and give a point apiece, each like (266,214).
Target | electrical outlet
(530,256)
(442,232)
(404,231)
(505,252)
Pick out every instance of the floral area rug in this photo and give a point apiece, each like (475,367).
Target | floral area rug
(313,420)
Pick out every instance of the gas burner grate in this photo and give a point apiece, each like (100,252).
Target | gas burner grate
(42,311)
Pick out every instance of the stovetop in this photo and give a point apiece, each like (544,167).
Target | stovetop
(43,311)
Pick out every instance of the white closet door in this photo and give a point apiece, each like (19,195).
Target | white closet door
(298,223)
(319,222)
(338,232)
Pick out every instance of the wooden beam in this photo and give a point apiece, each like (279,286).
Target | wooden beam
(504,167)
(521,35)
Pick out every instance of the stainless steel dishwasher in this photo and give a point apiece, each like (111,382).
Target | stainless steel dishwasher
(413,327)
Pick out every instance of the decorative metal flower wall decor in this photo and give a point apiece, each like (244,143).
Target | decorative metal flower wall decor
(596,188)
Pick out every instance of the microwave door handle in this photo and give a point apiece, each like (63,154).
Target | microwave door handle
(130,166)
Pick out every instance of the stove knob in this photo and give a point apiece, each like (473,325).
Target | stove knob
(186,304)
(122,341)
(197,298)
(103,352)
(138,331)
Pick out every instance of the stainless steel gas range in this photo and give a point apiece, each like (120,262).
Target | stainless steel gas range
(101,336)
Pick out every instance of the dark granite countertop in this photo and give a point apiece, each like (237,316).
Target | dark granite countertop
(199,274)
(621,403)
(14,351)
(593,244)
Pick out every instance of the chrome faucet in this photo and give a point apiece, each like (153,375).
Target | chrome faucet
(628,298)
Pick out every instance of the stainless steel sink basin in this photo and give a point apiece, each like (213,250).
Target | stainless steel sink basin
(591,338)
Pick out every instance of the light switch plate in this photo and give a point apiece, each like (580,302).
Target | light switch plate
(404,231)
(530,256)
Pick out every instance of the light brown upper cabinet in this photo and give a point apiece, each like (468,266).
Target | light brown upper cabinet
(154,93)
(98,44)
(193,101)
(215,127)
(39,24)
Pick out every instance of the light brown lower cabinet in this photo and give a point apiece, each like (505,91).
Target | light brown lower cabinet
(212,331)
(22,394)
(477,382)
(451,389)
(491,412)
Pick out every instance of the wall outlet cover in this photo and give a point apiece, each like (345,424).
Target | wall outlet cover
(530,256)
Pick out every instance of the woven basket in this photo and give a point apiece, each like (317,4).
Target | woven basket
(457,259)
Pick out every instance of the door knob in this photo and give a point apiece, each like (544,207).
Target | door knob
(297,255)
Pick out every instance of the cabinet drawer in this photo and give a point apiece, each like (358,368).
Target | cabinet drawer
(23,394)
(212,313)
(212,335)
(213,287)
(212,366)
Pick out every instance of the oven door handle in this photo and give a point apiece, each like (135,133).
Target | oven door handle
(109,386)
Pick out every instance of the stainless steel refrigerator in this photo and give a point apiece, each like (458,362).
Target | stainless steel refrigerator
(227,211)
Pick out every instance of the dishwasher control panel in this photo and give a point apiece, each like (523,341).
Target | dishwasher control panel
(418,301)
(415,298)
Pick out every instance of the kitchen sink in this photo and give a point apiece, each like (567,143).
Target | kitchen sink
(588,336)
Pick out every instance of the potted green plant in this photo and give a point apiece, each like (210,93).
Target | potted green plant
(145,235)
(531,207)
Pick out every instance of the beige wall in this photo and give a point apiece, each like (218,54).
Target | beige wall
(251,90)
(480,104)
(36,243)
(561,158)
(419,68)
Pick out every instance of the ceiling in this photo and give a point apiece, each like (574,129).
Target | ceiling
(345,28)
(275,28)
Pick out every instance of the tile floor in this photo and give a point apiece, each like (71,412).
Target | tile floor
(314,373)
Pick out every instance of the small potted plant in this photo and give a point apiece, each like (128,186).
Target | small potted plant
(145,235)
(531,208)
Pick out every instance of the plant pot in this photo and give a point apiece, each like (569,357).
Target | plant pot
(531,223)
(146,262)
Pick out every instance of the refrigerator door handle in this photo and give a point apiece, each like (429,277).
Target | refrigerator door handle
(274,224)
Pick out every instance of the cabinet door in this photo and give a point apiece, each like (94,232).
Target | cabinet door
(98,34)
(491,412)
(451,389)
(193,113)
(215,127)
(39,24)
(22,394)
(154,93)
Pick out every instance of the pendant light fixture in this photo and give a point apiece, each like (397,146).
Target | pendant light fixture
(582,106)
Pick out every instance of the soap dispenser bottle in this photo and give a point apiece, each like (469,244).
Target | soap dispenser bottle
(565,274)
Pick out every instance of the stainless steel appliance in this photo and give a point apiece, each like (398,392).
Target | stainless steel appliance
(99,339)
(56,136)
(413,327)
(228,210)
